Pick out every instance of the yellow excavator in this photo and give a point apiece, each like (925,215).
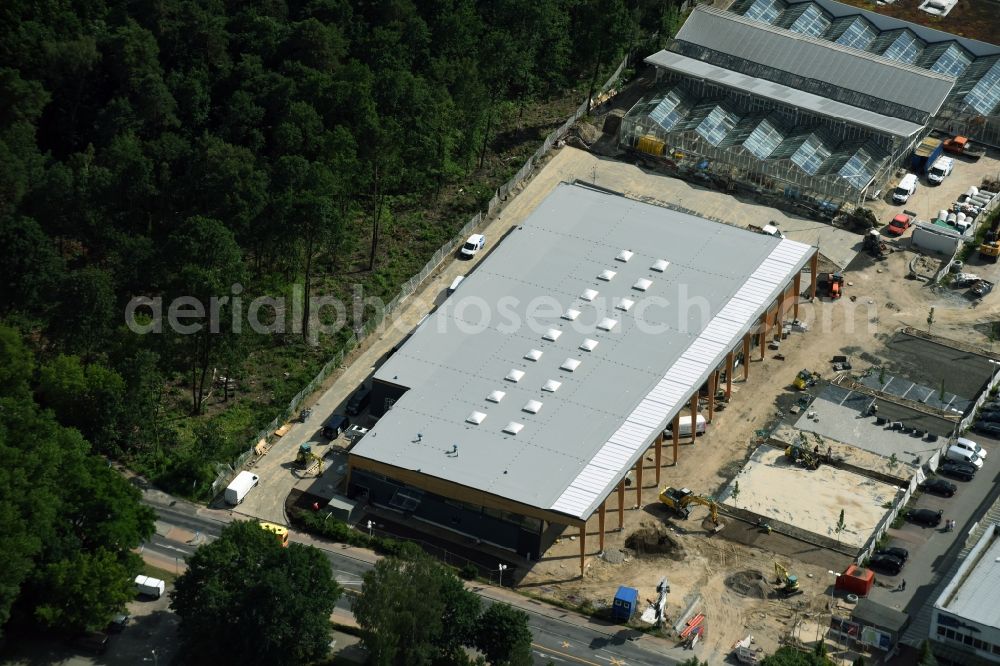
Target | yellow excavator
(789,582)
(680,499)
(306,457)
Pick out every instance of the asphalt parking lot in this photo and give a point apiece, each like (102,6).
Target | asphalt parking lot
(929,546)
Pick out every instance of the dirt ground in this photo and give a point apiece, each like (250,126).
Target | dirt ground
(879,300)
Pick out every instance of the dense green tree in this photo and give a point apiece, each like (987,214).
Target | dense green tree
(68,521)
(203,262)
(414,611)
(86,397)
(245,599)
(790,656)
(29,265)
(503,636)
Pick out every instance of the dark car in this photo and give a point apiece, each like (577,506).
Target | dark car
(359,401)
(335,425)
(118,623)
(887,563)
(925,517)
(987,428)
(991,415)
(958,470)
(899,553)
(939,487)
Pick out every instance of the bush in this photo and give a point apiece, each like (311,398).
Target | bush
(469,571)
(325,525)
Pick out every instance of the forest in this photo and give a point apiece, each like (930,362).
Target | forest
(166,148)
(214,148)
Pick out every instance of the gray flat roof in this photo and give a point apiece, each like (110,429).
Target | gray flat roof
(972,593)
(816,58)
(878,615)
(781,93)
(588,433)
(842,414)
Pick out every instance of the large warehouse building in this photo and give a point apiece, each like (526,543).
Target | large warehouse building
(811,100)
(966,617)
(524,401)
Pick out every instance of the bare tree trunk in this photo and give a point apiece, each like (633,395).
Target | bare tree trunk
(376,210)
(310,241)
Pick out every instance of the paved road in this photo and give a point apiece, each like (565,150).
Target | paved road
(932,550)
(560,637)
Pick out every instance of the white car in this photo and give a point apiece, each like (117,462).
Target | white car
(454,284)
(472,246)
(970,446)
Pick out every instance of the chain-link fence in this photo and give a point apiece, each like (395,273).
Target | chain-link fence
(226,471)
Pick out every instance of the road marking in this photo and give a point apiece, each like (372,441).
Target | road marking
(617,662)
(565,644)
(568,656)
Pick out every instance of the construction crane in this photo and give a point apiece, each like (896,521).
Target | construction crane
(789,582)
(306,457)
(680,500)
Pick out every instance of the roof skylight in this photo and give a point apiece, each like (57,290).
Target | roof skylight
(660,265)
(475,418)
(588,345)
(496,396)
(642,284)
(624,255)
(624,304)
(552,334)
(551,386)
(513,428)
(532,406)
(607,275)
(533,355)
(589,294)
(570,364)
(607,324)
(571,314)
(514,375)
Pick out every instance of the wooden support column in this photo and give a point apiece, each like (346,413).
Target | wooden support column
(746,357)
(814,266)
(600,523)
(621,505)
(583,547)
(712,383)
(694,416)
(638,481)
(763,334)
(729,375)
(676,435)
(798,295)
(659,457)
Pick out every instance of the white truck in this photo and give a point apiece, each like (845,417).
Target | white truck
(767,230)
(149,586)
(940,170)
(241,485)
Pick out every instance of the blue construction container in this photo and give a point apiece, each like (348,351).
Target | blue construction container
(625,604)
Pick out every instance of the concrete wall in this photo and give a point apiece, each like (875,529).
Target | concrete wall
(459,517)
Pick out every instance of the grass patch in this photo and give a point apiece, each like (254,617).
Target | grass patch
(156,572)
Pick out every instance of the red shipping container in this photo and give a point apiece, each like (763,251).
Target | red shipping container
(857,580)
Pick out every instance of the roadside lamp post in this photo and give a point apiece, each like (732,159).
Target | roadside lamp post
(370,526)
(500,568)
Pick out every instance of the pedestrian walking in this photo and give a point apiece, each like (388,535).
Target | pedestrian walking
(902,584)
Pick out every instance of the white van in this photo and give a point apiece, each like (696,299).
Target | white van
(905,189)
(958,454)
(237,491)
(149,586)
(685,429)
(970,446)
(941,170)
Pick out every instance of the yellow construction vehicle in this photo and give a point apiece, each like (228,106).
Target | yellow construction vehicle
(306,458)
(804,379)
(990,250)
(680,500)
(789,582)
(280,532)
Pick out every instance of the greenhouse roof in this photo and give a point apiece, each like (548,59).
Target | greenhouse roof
(817,59)
(781,93)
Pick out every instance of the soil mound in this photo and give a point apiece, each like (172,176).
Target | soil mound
(749,584)
(654,540)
